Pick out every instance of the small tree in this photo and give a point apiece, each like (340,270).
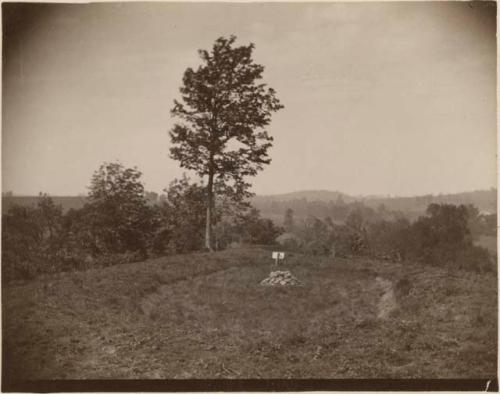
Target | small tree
(117,209)
(50,216)
(289,222)
(22,242)
(257,230)
(183,216)
(222,102)
(31,238)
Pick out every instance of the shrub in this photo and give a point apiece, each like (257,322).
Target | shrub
(117,211)
(388,237)
(348,241)
(475,258)
(317,248)
(291,244)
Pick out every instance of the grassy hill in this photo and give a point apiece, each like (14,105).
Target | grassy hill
(206,316)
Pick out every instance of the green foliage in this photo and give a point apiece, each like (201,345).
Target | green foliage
(222,105)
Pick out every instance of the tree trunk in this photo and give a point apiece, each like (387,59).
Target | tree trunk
(208,227)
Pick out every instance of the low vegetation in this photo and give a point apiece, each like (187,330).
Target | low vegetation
(448,235)
(205,315)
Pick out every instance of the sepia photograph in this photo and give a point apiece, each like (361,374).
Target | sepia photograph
(242,196)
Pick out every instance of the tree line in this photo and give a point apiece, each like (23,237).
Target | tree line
(445,235)
(119,224)
(339,207)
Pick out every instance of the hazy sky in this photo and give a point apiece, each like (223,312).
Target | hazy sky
(380,98)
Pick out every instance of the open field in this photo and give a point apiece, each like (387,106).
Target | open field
(206,316)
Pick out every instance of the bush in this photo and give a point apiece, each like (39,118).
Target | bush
(348,241)
(388,238)
(291,244)
(442,238)
(475,258)
(117,213)
(317,248)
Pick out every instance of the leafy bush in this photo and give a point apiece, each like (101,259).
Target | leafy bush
(291,244)
(475,258)
(317,248)
(442,237)
(388,237)
(256,230)
(117,211)
(31,238)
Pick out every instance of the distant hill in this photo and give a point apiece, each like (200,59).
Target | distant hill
(484,200)
(67,202)
(317,202)
(309,195)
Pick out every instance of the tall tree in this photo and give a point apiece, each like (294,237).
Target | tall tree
(222,114)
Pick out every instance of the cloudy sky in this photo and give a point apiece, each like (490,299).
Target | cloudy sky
(381,98)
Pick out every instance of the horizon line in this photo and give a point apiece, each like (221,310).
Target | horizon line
(356,196)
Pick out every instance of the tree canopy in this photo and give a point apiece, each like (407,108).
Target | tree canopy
(223,112)
(117,209)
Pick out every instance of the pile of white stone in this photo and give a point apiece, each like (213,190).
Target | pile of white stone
(280,278)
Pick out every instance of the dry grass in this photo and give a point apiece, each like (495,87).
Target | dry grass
(205,316)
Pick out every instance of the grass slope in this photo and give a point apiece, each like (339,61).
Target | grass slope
(206,316)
